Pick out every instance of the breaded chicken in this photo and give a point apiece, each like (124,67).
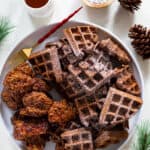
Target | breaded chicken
(60,112)
(40,85)
(17,117)
(27,129)
(25,69)
(32,112)
(18,82)
(36,104)
(38,100)
(16,85)
(9,99)
(35,143)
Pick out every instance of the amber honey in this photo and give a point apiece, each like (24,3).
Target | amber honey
(36,3)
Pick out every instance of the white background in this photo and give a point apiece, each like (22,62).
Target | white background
(113,18)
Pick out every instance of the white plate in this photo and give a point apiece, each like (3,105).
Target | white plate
(13,60)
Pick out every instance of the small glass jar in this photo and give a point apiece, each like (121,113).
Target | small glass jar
(42,11)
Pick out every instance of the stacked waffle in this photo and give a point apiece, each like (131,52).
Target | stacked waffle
(97,80)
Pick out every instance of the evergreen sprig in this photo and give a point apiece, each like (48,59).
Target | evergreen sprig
(5,28)
(142,139)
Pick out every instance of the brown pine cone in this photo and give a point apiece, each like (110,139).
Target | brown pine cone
(130,5)
(140,40)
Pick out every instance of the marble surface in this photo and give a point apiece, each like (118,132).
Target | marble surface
(114,18)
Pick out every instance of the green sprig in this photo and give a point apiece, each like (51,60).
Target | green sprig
(142,139)
(5,28)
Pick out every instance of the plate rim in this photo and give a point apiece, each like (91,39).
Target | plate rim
(104,30)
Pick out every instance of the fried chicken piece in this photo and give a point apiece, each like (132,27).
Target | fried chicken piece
(40,85)
(38,100)
(9,99)
(17,85)
(35,143)
(27,129)
(36,104)
(60,112)
(17,117)
(32,112)
(18,82)
(25,69)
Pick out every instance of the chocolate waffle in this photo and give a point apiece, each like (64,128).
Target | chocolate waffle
(89,75)
(65,52)
(81,39)
(114,50)
(71,87)
(126,81)
(110,137)
(72,125)
(92,75)
(88,107)
(80,139)
(118,107)
(46,63)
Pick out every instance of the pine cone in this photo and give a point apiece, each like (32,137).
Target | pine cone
(130,5)
(140,40)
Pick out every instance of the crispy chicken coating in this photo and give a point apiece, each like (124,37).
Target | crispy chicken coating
(40,85)
(26,129)
(38,100)
(36,104)
(18,82)
(32,112)
(36,143)
(17,117)
(9,99)
(25,69)
(60,112)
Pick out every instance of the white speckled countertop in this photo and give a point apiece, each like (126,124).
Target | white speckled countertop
(114,18)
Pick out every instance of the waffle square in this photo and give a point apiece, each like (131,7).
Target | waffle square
(127,82)
(115,50)
(78,139)
(118,107)
(89,75)
(93,73)
(46,63)
(89,107)
(71,87)
(65,52)
(81,38)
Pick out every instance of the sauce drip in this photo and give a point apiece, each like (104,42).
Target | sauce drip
(36,3)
